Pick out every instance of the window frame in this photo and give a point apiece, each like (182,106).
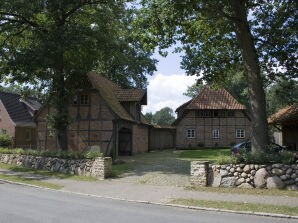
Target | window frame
(240,136)
(82,100)
(190,133)
(215,134)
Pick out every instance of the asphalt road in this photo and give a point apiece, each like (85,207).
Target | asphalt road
(21,204)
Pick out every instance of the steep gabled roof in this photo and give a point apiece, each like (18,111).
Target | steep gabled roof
(213,99)
(113,94)
(18,109)
(288,114)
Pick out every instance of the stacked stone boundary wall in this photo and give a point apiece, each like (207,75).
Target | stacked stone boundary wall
(271,176)
(98,167)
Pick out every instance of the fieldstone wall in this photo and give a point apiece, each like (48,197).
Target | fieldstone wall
(277,175)
(99,167)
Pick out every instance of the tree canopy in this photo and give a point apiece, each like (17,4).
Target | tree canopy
(57,42)
(218,36)
(163,117)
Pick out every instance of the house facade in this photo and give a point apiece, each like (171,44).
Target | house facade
(212,118)
(16,119)
(101,114)
(286,120)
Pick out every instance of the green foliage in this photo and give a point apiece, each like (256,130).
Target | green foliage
(5,140)
(193,90)
(62,154)
(207,154)
(164,117)
(149,117)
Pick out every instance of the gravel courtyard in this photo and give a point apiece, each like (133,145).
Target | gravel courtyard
(157,168)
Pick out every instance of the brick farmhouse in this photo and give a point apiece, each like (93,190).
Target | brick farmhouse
(16,119)
(212,118)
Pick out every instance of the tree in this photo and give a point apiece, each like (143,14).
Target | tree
(57,42)
(280,94)
(218,36)
(149,117)
(163,117)
(193,90)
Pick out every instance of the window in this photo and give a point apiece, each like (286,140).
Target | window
(28,134)
(240,133)
(82,100)
(190,133)
(4,131)
(215,133)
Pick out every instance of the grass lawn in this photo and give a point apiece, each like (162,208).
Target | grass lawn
(45,173)
(29,181)
(206,154)
(255,191)
(238,206)
(119,169)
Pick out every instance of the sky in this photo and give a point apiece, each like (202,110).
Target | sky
(167,85)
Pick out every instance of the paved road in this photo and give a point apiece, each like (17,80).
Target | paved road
(30,205)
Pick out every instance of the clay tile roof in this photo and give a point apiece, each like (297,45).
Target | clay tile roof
(18,109)
(214,99)
(284,115)
(113,94)
(130,94)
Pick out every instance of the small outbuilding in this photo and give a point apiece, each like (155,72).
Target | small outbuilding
(286,120)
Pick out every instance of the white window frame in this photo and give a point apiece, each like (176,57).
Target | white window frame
(190,133)
(215,134)
(240,133)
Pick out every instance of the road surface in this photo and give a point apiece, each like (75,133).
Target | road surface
(22,204)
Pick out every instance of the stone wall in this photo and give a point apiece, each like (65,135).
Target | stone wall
(280,176)
(99,167)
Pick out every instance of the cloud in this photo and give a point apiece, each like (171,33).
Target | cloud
(167,91)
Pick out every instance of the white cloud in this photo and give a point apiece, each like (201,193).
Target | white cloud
(167,91)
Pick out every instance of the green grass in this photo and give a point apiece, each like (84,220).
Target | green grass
(119,169)
(238,206)
(31,182)
(255,191)
(206,154)
(46,173)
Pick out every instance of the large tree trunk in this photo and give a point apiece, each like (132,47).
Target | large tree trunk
(256,92)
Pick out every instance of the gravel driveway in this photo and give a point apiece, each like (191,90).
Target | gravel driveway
(157,168)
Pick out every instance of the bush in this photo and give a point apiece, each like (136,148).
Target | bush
(5,140)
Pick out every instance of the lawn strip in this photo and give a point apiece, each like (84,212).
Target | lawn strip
(238,206)
(31,182)
(254,191)
(207,154)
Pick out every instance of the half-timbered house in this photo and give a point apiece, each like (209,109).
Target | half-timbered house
(212,118)
(102,114)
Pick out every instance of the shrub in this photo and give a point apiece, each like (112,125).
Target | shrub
(5,140)
(226,160)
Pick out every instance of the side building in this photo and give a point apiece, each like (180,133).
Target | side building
(16,119)
(102,114)
(212,118)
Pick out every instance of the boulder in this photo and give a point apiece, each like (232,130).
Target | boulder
(240,181)
(214,179)
(228,182)
(260,178)
(292,187)
(275,183)
(278,172)
(246,169)
(223,172)
(245,185)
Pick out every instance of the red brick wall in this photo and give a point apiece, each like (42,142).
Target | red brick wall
(204,126)
(5,122)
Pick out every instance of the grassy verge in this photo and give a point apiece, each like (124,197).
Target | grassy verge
(208,154)
(238,206)
(46,173)
(32,182)
(119,169)
(255,191)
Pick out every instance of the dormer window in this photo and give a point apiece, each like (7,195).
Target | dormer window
(82,99)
